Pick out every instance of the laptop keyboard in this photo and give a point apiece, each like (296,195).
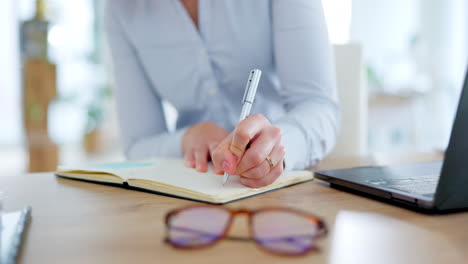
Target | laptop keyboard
(422,185)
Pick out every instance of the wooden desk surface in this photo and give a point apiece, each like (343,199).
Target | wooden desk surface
(78,222)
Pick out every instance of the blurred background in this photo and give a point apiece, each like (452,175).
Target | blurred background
(413,52)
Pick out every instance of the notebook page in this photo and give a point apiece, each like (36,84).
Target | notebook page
(119,169)
(172,176)
(174,172)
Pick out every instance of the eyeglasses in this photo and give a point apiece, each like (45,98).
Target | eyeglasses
(281,231)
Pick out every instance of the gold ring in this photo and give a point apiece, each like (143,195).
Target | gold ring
(270,162)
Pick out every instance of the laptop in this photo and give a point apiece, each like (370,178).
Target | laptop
(433,186)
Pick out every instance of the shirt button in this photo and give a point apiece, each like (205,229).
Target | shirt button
(213,91)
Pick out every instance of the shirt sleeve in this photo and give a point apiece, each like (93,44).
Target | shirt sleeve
(142,121)
(305,67)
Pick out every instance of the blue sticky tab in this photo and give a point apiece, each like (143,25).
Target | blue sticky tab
(123,165)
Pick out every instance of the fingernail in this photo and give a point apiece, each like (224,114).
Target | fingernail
(226,165)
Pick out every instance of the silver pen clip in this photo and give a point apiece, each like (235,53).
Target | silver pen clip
(247,92)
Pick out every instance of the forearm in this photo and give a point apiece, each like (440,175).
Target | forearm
(308,132)
(164,144)
(142,120)
(305,67)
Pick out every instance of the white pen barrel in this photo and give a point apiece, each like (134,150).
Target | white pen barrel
(245,111)
(247,100)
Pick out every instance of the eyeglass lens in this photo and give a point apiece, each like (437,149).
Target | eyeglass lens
(284,232)
(197,226)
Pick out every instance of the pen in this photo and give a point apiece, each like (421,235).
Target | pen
(247,100)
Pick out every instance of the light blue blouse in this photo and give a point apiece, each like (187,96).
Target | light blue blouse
(158,54)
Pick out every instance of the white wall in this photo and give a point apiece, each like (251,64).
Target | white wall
(444,31)
(383,28)
(429,72)
(10,94)
(338,17)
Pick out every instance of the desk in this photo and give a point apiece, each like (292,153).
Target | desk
(79,222)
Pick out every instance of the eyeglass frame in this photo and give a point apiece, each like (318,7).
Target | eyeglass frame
(321,225)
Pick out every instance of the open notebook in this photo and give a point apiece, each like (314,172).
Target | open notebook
(171,177)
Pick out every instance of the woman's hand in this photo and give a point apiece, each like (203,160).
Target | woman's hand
(246,151)
(199,142)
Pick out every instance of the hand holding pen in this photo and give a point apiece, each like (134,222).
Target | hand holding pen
(253,150)
(200,140)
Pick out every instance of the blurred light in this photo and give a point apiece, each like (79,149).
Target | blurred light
(56,36)
(338,14)
(66,122)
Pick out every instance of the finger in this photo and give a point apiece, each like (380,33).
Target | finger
(245,131)
(267,180)
(211,150)
(259,149)
(260,171)
(222,158)
(201,159)
(189,158)
(218,171)
(217,156)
